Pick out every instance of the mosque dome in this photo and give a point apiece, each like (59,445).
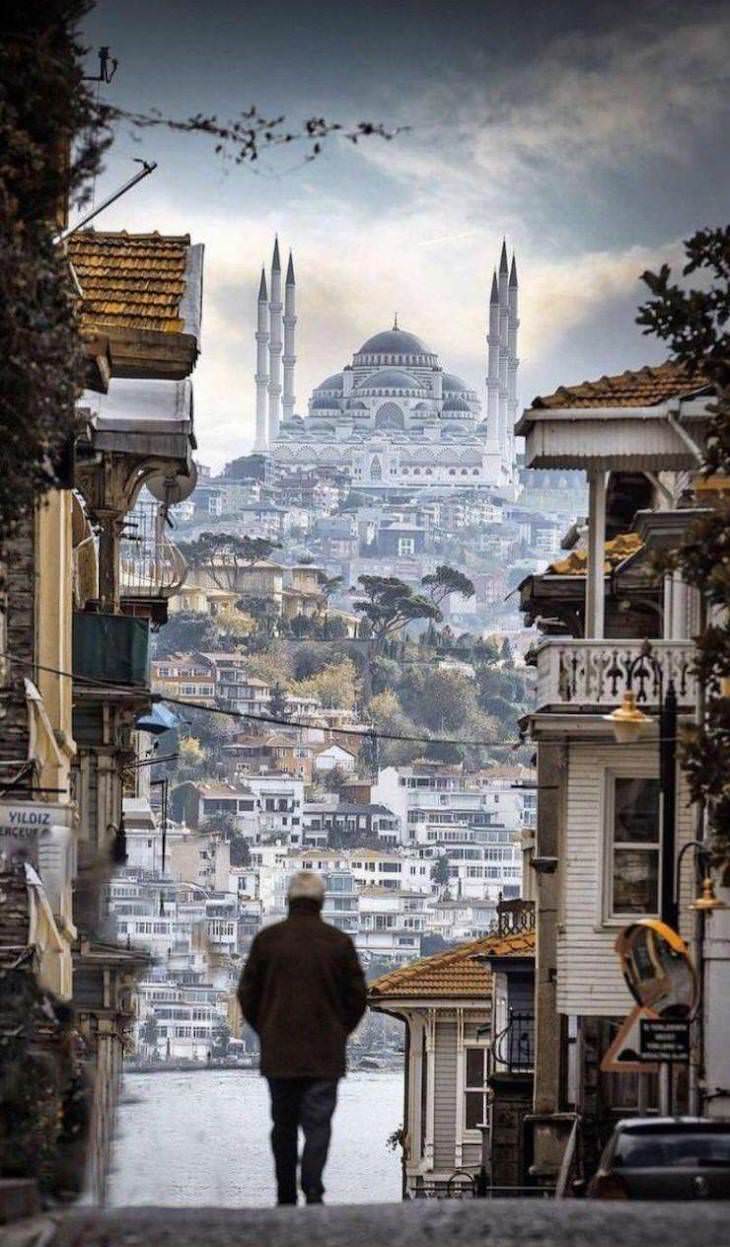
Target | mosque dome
(456,404)
(335,382)
(394,342)
(452,383)
(389,379)
(323,404)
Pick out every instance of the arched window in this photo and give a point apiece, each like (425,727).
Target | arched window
(376,470)
(389,416)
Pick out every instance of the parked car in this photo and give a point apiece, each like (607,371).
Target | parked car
(665,1158)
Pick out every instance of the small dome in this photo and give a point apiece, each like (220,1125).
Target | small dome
(452,383)
(335,382)
(389,379)
(421,407)
(394,342)
(456,404)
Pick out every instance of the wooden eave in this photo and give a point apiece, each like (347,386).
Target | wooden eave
(150,354)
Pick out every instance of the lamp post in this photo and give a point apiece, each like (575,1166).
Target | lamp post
(628,722)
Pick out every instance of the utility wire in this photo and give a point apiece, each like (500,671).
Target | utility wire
(371,734)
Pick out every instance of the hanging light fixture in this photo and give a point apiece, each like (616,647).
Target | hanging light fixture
(627,720)
(708,901)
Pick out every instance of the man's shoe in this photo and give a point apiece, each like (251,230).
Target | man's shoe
(314,1199)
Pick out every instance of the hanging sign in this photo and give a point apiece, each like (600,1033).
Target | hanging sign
(24,823)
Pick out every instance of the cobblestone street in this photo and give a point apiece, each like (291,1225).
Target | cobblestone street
(501,1223)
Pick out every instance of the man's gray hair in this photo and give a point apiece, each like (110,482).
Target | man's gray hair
(306,884)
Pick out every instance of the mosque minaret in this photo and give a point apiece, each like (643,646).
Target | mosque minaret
(289,359)
(275,347)
(393,417)
(262,369)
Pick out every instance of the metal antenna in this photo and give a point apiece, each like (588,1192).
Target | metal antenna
(107,68)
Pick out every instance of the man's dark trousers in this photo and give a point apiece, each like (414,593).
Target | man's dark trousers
(309,1103)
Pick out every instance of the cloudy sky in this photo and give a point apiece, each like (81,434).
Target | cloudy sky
(592,134)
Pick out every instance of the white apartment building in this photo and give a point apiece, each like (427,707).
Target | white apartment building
(279,806)
(394,870)
(177,1020)
(391,923)
(463,919)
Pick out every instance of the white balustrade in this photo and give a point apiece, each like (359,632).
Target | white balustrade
(578,673)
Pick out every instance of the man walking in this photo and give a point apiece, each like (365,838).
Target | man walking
(303,991)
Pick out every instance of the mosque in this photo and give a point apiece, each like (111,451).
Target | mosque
(393,418)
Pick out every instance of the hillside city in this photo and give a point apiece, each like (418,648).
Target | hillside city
(364,624)
(417,842)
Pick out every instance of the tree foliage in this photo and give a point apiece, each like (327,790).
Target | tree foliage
(335,686)
(389,604)
(695,323)
(225,555)
(45,106)
(446,581)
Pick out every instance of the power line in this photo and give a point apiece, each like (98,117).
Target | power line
(372,734)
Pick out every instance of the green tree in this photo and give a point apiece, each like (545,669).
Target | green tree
(695,322)
(389,604)
(223,556)
(265,615)
(240,851)
(440,871)
(279,708)
(335,686)
(446,581)
(221,1036)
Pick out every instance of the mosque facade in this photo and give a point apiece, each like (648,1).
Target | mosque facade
(394,417)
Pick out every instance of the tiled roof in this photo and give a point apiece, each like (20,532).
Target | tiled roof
(616,550)
(452,973)
(132,281)
(627,389)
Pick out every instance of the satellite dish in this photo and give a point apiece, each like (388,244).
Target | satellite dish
(173,489)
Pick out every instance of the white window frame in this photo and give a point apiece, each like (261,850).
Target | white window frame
(470,1134)
(608,916)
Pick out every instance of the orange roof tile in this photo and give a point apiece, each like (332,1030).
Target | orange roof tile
(131,281)
(452,973)
(616,550)
(627,389)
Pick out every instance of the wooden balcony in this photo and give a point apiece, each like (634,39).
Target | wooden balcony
(580,676)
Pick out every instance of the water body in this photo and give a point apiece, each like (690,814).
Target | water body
(202,1138)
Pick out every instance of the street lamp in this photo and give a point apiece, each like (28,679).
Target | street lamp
(628,722)
(707,902)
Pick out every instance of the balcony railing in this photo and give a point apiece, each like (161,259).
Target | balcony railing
(514,1047)
(574,675)
(150,564)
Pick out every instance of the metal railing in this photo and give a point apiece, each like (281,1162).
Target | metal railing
(150,564)
(514,1047)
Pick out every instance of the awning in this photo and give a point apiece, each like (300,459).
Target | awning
(158,720)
